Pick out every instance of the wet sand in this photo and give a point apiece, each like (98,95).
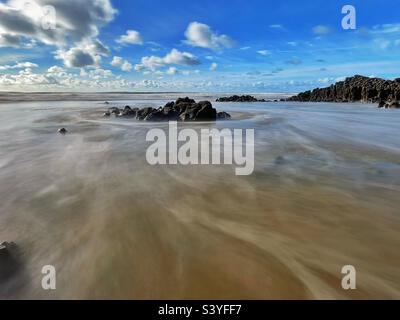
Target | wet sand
(324,194)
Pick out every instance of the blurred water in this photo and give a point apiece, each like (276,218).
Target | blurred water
(324,194)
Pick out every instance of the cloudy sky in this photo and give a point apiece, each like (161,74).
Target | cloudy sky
(208,45)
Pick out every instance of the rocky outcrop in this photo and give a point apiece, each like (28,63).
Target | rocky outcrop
(183,109)
(236,98)
(354,89)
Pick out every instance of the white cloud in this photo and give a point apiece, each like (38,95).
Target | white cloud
(75,32)
(213,66)
(19,65)
(321,30)
(121,63)
(131,37)
(264,52)
(174,57)
(75,20)
(201,35)
(172,71)
(386,28)
(276,26)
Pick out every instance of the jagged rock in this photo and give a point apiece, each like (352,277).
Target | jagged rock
(236,98)
(353,89)
(223,115)
(183,109)
(392,104)
(143,113)
(62,131)
(129,112)
(114,110)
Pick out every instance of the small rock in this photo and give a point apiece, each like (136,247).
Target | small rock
(106,114)
(223,116)
(280,160)
(62,131)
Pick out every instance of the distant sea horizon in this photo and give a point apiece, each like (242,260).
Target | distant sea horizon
(21,96)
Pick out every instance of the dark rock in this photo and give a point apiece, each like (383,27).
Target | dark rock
(129,112)
(114,110)
(236,98)
(157,115)
(143,113)
(183,109)
(223,116)
(186,100)
(9,260)
(62,131)
(106,102)
(280,160)
(392,104)
(354,89)
(106,114)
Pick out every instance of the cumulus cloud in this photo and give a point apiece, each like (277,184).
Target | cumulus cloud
(174,57)
(121,63)
(213,66)
(87,53)
(9,40)
(131,37)
(76,24)
(75,19)
(76,58)
(201,35)
(321,30)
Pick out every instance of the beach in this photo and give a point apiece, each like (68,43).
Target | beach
(323,194)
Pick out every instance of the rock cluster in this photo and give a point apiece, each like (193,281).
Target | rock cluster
(357,88)
(183,109)
(236,98)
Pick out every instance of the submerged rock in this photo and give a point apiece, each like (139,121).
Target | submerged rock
(236,98)
(183,109)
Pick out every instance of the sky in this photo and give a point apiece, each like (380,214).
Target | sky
(248,46)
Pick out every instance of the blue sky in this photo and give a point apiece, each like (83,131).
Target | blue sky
(214,46)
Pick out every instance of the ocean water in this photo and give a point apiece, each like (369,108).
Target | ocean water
(324,194)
